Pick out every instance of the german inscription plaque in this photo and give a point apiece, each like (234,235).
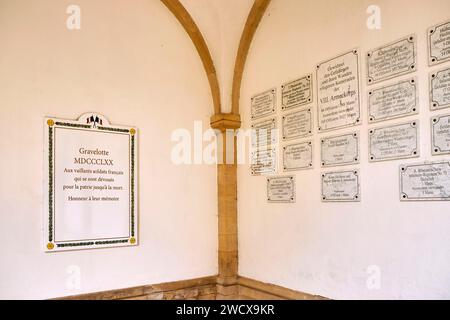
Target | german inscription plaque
(281,189)
(340,150)
(439,43)
(297,124)
(263,104)
(341,186)
(264,133)
(263,161)
(298,156)
(440,89)
(440,134)
(296,93)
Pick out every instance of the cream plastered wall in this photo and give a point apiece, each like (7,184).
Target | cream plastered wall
(328,248)
(133,62)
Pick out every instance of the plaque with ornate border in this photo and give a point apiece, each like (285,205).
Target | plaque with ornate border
(281,189)
(344,150)
(263,104)
(298,156)
(381,64)
(428,181)
(88,127)
(438,44)
(297,92)
(439,89)
(440,134)
(341,186)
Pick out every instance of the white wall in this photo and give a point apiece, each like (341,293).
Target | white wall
(134,63)
(326,248)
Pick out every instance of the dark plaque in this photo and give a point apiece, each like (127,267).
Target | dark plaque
(263,161)
(440,89)
(439,43)
(425,181)
(341,186)
(340,150)
(440,134)
(297,124)
(264,133)
(281,189)
(394,142)
(393,101)
(338,92)
(392,60)
(296,93)
(298,156)
(263,104)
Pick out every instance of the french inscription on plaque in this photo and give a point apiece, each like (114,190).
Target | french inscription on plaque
(393,101)
(296,93)
(440,89)
(425,181)
(392,60)
(341,186)
(439,43)
(263,104)
(263,161)
(264,133)
(338,92)
(340,150)
(440,134)
(90,189)
(394,142)
(298,156)
(297,124)
(281,189)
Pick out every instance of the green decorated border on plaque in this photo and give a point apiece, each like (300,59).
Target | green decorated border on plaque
(51,245)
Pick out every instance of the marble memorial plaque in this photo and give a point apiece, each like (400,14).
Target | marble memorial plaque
(281,189)
(340,150)
(90,187)
(440,134)
(263,161)
(297,124)
(392,60)
(440,89)
(341,186)
(394,142)
(393,101)
(425,181)
(298,156)
(264,133)
(263,104)
(338,91)
(296,93)
(439,43)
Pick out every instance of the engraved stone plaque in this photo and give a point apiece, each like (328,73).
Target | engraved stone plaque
(264,133)
(338,92)
(340,150)
(341,186)
(440,134)
(392,60)
(394,142)
(298,156)
(263,161)
(297,92)
(393,101)
(297,124)
(439,43)
(263,104)
(440,89)
(425,181)
(281,189)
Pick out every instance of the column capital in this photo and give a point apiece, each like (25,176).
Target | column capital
(223,121)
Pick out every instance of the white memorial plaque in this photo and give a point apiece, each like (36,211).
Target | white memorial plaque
(296,93)
(425,181)
(338,92)
(90,198)
(392,60)
(340,150)
(394,142)
(440,134)
(264,133)
(281,189)
(263,161)
(298,156)
(393,101)
(439,43)
(297,124)
(440,89)
(341,186)
(263,104)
